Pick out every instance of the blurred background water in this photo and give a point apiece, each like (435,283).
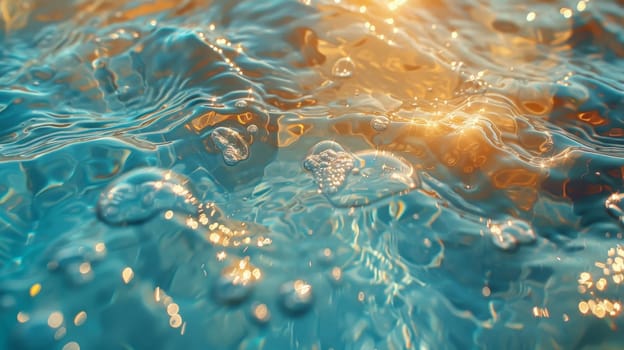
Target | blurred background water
(332,174)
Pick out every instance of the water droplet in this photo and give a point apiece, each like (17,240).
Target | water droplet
(343,68)
(241,104)
(141,194)
(329,163)
(231,144)
(380,123)
(614,206)
(381,174)
(296,296)
(508,234)
(252,129)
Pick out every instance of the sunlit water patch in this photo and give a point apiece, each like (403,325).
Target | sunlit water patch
(311,174)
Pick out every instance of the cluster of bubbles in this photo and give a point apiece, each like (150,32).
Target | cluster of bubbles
(237,281)
(330,164)
(358,179)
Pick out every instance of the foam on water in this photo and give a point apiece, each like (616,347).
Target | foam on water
(330,165)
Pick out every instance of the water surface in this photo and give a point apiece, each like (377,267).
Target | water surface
(311,174)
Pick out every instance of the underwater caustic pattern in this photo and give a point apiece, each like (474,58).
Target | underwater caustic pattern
(313,174)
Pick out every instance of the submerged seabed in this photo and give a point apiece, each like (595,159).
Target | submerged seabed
(311,175)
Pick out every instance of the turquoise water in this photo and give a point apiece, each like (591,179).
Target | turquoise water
(311,174)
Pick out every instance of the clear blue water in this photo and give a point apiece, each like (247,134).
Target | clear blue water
(311,175)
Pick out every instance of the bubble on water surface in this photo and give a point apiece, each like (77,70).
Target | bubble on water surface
(231,144)
(343,68)
(380,175)
(240,104)
(507,235)
(252,128)
(140,194)
(330,164)
(614,206)
(380,123)
(296,296)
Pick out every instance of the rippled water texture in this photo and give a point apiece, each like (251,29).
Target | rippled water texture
(332,174)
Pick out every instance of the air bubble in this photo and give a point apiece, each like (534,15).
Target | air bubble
(507,235)
(380,175)
(241,104)
(141,194)
(296,296)
(231,144)
(329,163)
(380,123)
(343,68)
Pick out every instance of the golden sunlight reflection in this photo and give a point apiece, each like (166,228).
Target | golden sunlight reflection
(229,234)
(127,275)
(242,272)
(336,273)
(100,248)
(55,320)
(72,345)
(540,312)
(80,318)
(302,288)
(35,289)
(221,255)
(595,287)
(172,309)
(395,4)
(22,317)
(261,313)
(84,268)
